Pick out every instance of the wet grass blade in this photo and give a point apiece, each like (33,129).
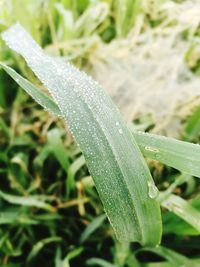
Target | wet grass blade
(180,155)
(114,160)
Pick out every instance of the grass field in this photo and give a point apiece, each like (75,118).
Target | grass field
(146,55)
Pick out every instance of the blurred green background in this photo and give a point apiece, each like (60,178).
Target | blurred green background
(146,54)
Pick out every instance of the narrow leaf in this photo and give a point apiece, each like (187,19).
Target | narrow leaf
(99,262)
(171,256)
(33,91)
(73,169)
(192,128)
(31,201)
(39,245)
(183,209)
(57,148)
(180,155)
(121,176)
(96,223)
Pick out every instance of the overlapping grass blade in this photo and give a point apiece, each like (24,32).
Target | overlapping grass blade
(121,176)
(180,155)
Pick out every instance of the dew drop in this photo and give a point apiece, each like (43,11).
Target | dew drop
(153,190)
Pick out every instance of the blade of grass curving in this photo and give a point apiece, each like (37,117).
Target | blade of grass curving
(114,160)
(39,246)
(180,155)
(73,169)
(96,223)
(31,201)
(33,91)
(183,209)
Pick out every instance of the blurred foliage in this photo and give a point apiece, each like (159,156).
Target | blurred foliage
(50,212)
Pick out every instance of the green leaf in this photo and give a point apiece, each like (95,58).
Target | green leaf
(96,223)
(121,176)
(33,91)
(173,224)
(31,201)
(57,148)
(183,209)
(39,246)
(14,217)
(192,128)
(73,169)
(99,262)
(176,259)
(178,154)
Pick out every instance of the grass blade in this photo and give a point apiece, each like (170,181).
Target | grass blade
(192,128)
(39,246)
(57,148)
(33,91)
(99,262)
(96,223)
(183,209)
(73,169)
(114,160)
(31,201)
(180,155)
(171,256)
(14,217)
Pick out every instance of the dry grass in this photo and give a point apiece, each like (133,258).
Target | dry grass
(149,72)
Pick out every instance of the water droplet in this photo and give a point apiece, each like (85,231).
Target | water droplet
(153,190)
